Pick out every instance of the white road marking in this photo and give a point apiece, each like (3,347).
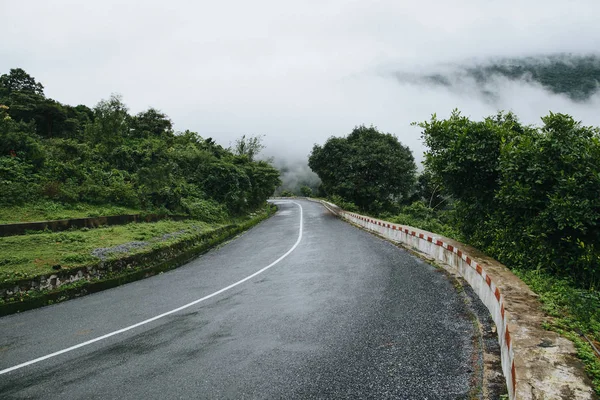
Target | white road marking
(147,321)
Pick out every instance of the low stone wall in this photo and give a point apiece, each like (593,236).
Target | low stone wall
(91,222)
(537,364)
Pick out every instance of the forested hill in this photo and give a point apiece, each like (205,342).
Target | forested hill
(105,155)
(576,76)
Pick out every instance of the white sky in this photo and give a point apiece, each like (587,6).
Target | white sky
(297,72)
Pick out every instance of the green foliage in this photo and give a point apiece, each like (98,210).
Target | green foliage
(423,217)
(17,180)
(287,193)
(249,146)
(17,80)
(368,168)
(51,151)
(340,202)
(526,195)
(205,210)
(306,191)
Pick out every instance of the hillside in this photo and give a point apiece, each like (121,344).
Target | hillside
(77,155)
(576,76)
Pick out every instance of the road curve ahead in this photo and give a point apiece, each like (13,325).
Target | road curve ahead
(302,306)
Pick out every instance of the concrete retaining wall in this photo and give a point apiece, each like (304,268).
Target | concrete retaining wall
(91,222)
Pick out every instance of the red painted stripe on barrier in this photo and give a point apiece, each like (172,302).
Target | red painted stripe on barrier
(514,377)
(439,243)
(502,310)
(406,230)
(507,337)
(429,239)
(459,253)
(388,225)
(488,280)
(413,233)
(497,294)
(450,247)
(394,227)
(468,260)
(421,236)
(478,269)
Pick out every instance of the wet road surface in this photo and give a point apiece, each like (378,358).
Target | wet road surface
(343,315)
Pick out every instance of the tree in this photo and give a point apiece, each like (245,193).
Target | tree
(75,154)
(306,191)
(17,80)
(151,123)
(249,146)
(525,195)
(369,168)
(110,126)
(465,156)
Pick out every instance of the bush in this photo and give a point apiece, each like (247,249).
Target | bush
(346,205)
(420,216)
(527,196)
(306,191)
(17,181)
(205,210)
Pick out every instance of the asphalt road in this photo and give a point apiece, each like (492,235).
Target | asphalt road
(343,315)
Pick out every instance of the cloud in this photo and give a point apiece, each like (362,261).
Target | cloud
(296,72)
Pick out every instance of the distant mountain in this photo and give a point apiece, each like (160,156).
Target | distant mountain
(577,76)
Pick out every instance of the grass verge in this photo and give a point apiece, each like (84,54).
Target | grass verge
(575,315)
(118,269)
(35,254)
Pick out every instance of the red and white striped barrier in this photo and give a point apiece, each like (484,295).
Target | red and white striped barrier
(536,363)
(469,269)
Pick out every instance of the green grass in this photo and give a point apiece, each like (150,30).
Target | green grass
(575,311)
(35,254)
(50,210)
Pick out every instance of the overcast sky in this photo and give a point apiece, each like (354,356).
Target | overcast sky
(297,72)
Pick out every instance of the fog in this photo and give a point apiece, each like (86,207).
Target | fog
(296,73)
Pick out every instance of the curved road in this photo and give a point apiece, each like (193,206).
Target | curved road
(343,315)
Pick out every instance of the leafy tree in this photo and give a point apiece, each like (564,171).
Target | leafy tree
(75,154)
(151,123)
(368,168)
(526,195)
(249,146)
(110,126)
(464,155)
(548,199)
(306,191)
(17,80)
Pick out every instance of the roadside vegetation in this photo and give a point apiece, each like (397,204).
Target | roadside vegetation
(525,195)
(59,161)
(76,156)
(32,255)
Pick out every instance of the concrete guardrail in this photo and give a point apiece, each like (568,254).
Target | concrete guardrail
(537,364)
